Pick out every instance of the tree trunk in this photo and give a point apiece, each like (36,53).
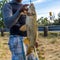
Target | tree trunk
(2,32)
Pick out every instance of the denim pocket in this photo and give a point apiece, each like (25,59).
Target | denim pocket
(13,43)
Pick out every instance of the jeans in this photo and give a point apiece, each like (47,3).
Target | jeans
(16,47)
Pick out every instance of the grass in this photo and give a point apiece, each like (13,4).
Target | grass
(48,46)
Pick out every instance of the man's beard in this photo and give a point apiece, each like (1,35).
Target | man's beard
(18,0)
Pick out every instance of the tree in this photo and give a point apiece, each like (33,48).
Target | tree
(2,2)
(59,17)
(39,21)
(43,21)
(56,22)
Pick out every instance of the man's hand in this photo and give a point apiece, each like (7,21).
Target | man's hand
(22,28)
(24,7)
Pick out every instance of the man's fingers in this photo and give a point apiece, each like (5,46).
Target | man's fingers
(24,7)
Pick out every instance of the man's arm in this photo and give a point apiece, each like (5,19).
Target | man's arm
(9,18)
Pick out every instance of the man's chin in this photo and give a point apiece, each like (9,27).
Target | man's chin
(19,0)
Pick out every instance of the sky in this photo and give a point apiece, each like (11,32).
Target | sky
(43,7)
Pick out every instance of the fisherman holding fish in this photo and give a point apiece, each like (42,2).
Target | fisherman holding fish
(14,15)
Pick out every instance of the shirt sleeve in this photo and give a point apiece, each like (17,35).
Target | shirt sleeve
(9,18)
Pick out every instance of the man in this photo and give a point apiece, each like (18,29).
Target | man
(14,19)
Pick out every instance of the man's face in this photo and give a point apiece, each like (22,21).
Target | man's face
(19,0)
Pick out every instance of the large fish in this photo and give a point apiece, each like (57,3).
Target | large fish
(31,25)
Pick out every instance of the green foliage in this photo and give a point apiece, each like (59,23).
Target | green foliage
(43,21)
(2,2)
(56,22)
(46,22)
(1,24)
